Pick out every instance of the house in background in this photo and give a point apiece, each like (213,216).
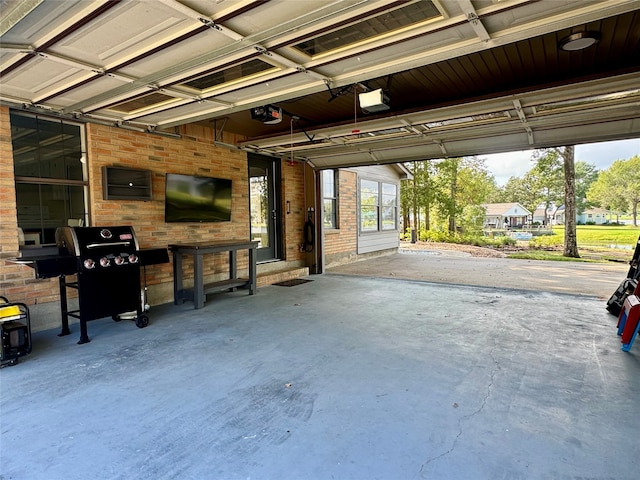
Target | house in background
(505,215)
(549,215)
(543,216)
(596,216)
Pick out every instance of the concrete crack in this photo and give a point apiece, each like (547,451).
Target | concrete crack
(494,370)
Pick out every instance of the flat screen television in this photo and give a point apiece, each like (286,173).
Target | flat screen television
(190,198)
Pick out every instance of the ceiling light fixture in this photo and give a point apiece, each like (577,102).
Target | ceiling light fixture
(579,41)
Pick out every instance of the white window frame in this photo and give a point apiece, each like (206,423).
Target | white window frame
(331,197)
(373,207)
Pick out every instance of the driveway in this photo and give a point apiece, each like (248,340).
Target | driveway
(460,268)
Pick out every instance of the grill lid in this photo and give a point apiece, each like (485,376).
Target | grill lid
(82,241)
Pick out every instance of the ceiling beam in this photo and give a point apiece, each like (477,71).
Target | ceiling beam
(474,20)
(523,119)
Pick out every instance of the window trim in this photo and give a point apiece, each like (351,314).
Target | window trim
(379,207)
(61,182)
(334,199)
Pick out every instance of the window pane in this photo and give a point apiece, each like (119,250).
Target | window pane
(229,74)
(368,218)
(388,218)
(46,148)
(368,186)
(329,213)
(388,194)
(259,188)
(368,192)
(43,208)
(369,201)
(386,21)
(328,183)
(389,204)
(329,194)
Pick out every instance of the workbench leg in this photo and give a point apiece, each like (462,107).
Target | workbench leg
(233,267)
(178,298)
(198,282)
(233,264)
(252,271)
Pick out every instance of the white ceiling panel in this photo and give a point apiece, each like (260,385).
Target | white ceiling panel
(164,63)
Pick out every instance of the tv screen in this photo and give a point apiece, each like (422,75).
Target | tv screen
(189,198)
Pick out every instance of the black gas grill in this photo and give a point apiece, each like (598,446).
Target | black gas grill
(107,262)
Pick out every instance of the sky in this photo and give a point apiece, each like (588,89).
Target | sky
(602,155)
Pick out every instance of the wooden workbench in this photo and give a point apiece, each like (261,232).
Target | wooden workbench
(198,250)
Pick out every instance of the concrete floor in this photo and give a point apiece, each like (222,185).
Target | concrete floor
(459,268)
(341,378)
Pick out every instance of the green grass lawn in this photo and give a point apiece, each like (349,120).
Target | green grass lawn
(544,255)
(603,235)
(595,243)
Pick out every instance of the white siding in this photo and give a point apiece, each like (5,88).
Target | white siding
(382,240)
(376,241)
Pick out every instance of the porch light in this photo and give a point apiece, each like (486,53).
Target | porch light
(579,41)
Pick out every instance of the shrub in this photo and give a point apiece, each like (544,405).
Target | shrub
(505,241)
(436,236)
(546,241)
(465,239)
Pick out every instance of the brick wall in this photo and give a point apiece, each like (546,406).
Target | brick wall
(193,154)
(340,245)
(8,212)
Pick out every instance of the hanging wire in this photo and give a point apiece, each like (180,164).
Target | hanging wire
(291,160)
(355,130)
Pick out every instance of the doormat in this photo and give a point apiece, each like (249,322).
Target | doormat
(293,282)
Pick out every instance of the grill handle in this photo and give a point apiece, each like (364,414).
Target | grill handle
(107,244)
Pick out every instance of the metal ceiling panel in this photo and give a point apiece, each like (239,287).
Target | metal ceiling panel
(141,26)
(67,100)
(142,63)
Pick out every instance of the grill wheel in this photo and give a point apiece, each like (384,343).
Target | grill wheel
(142,321)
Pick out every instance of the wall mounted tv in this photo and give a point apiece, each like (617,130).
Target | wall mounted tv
(189,198)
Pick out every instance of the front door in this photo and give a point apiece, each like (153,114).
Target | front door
(264,194)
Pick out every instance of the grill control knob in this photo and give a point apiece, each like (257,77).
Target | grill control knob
(89,264)
(133,258)
(104,262)
(119,260)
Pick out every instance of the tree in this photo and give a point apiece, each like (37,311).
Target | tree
(586,174)
(462,183)
(447,184)
(521,191)
(570,234)
(546,178)
(407,199)
(618,187)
